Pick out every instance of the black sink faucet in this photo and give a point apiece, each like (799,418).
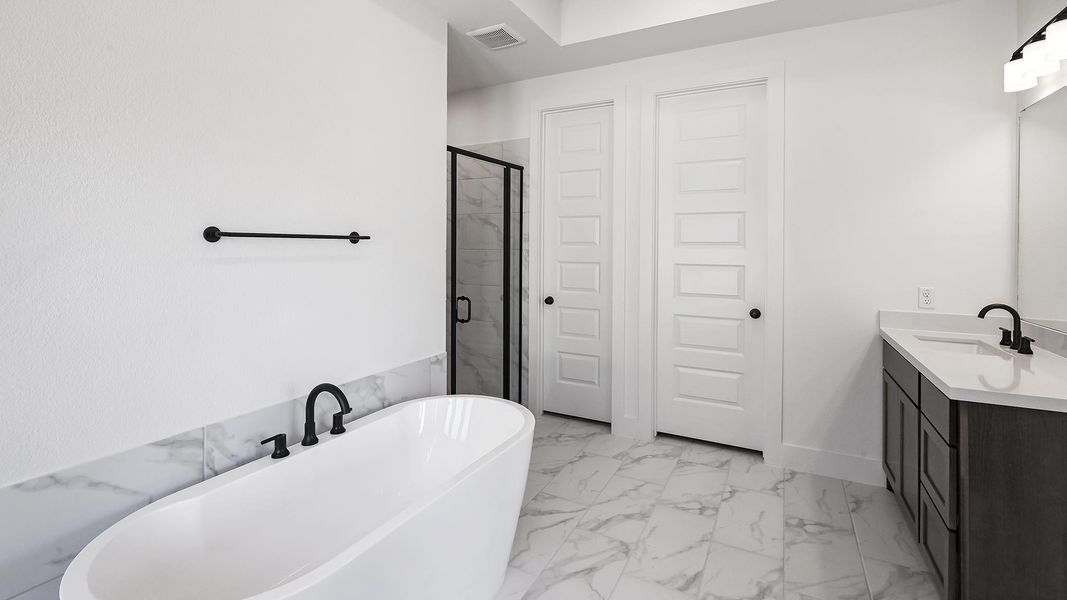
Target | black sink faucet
(1017,322)
(310,439)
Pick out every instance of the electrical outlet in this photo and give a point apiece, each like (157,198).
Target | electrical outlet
(927,297)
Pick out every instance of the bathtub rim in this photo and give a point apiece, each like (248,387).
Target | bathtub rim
(77,573)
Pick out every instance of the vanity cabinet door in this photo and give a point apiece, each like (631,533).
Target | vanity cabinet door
(892,426)
(909,483)
(939,544)
(900,447)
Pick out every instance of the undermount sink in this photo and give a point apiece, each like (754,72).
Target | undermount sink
(958,345)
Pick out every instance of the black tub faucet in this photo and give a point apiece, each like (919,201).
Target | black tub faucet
(1017,323)
(310,439)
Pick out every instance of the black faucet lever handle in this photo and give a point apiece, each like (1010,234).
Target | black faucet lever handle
(338,423)
(1005,336)
(280,451)
(1024,345)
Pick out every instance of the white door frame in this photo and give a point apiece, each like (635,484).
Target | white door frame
(616,98)
(772,75)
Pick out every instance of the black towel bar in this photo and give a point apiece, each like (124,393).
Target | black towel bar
(214,234)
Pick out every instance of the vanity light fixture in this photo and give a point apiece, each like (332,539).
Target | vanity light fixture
(1056,37)
(1039,57)
(1017,77)
(1036,58)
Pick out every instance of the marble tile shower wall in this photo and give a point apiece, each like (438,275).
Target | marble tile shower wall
(480,233)
(45,522)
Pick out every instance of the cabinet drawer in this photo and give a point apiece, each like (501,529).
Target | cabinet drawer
(938,472)
(941,411)
(906,376)
(939,544)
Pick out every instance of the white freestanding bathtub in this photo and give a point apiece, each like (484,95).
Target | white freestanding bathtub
(419,500)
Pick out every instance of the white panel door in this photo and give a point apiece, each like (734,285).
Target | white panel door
(711,151)
(576,326)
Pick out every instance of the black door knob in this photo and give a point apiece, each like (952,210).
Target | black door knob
(755,313)
(550,300)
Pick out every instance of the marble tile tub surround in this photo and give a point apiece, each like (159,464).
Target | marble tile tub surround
(479,225)
(45,522)
(605,517)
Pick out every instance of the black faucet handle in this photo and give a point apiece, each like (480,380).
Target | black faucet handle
(1005,336)
(280,450)
(1024,345)
(338,423)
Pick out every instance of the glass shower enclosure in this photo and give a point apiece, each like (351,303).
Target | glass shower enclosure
(484,274)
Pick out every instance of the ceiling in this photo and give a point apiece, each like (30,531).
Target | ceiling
(470,65)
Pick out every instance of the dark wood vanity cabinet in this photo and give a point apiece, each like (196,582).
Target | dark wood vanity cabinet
(983,487)
(900,446)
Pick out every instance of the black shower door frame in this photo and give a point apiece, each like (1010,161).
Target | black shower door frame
(454,154)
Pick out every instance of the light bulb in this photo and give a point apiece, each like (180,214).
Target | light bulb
(1016,77)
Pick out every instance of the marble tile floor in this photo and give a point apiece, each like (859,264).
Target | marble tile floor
(605,517)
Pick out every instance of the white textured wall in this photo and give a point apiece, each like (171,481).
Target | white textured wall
(1033,14)
(899,169)
(127,127)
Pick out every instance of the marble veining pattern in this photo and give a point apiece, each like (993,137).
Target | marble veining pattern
(677,519)
(46,521)
(823,561)
(698,520)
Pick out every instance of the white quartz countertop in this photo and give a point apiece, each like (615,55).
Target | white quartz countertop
(973,367)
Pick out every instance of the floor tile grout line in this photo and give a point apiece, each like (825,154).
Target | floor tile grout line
(922,567)
(785,586)
(577,519)
(551,559)
(35,586)
(856,538)
(656,504)
(707,549)
(648,522)
(778,492)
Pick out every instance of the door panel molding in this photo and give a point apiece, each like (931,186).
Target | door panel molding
(577,233)
(634,257)
(715,397)
(724,178)
(576,375)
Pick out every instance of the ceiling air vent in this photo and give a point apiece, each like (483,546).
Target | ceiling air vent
(497,37)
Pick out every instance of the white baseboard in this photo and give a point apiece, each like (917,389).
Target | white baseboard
(827,463)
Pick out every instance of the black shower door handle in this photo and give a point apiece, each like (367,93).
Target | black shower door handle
(468,301)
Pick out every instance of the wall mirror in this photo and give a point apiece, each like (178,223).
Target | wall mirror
(1043,212)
